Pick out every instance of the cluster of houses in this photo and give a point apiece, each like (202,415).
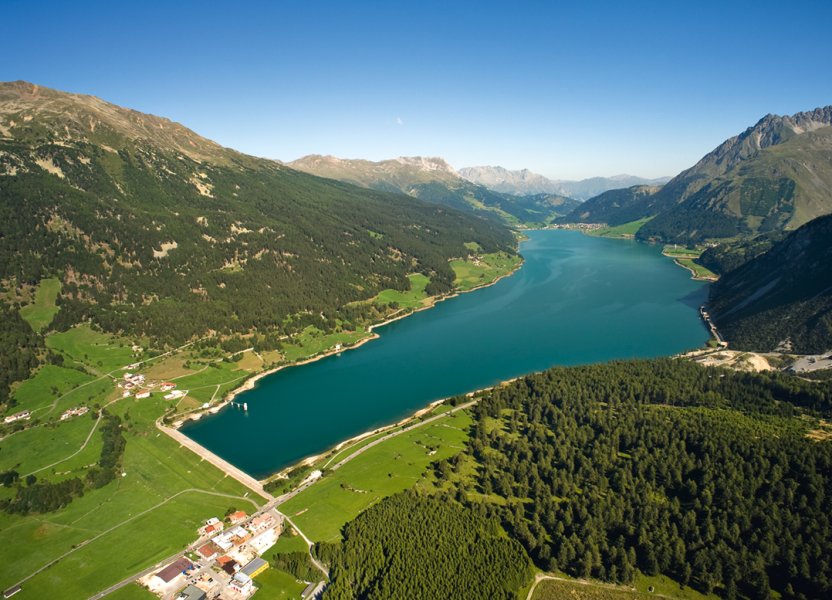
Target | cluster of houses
(74,412)
(225,564)
(21,416)
(137,385)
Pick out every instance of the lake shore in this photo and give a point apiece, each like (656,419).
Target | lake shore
(251,382)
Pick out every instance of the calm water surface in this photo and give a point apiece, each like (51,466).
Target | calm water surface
(577,299)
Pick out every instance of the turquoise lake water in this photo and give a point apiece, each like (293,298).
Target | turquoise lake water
(577,300)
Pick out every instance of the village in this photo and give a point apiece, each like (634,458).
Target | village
(228,557)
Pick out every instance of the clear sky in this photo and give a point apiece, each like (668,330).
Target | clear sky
(566,89)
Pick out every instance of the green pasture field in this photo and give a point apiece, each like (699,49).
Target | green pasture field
(312,341)
(32,450)
(37,391)
(40,313)
(390,467)
(491,266)
(132,592)
(273,583)
(412,298)
(100,352)
(625,230)
(698,270)
(156,469)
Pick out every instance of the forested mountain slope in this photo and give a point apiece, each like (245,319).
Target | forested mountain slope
(775,176)
(156,231)
(782,297)
(434,180)
(616,207)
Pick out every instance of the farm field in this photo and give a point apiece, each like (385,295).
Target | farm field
(35,450)
(50,382)
(152,511)
(471,274)
(390,467)
(98,352)
(699,272)
(412,298)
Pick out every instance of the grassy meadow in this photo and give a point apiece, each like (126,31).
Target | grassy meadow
(487,268)
(39,314)
(390,467)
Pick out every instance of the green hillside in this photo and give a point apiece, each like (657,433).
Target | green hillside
(773,177)
(780,188)
(781,298)
(155,231)
(616,207)
(434,180)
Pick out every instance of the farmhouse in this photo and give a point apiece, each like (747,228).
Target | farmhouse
(172,571)
(237,516)
(209,550)
(260,523)
(167,386)
(74,412)
(21,416)
(145,393)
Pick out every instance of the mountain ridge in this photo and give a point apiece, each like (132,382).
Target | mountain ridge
(525,181)
(434,180)
(774,176)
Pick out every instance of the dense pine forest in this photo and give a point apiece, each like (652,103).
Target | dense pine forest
(708,476)
(416,547)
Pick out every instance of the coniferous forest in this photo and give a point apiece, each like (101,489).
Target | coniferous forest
(710,477)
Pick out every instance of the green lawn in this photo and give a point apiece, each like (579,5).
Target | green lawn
(676,251)
(311,341)
(395,465)
(132,592)
(273,583)
(625,230)
(100,352)
(49,383)
(412,298)
(470,274)
(698,270)
(40,313)
(39,447)
(156,469)
(288,542)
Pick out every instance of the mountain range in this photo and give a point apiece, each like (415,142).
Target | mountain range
(154,230)
(434,180)
(776,175)
(525,182)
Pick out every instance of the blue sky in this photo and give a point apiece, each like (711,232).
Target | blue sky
(567,89)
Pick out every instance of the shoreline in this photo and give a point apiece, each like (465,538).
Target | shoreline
(251,382)
(415,416)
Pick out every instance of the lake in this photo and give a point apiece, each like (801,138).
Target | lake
(576,300)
